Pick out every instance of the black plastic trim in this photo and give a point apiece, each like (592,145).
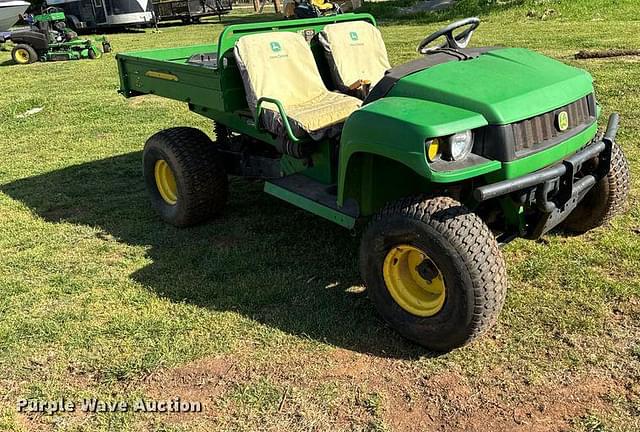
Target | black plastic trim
(505,187)
(395,74)
(498,142)
(484,193)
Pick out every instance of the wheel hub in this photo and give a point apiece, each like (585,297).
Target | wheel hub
(414,281)
(166,182)
(22,56)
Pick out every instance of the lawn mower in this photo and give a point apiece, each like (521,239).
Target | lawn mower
(49,39)
(445,158)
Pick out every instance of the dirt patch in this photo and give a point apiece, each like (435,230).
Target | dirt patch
(199,381)
(392,392)
(449,402)
(141,100)
(348,365)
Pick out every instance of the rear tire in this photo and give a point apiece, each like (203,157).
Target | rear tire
(24,54)
(185,177)
(605,200)
(458,248)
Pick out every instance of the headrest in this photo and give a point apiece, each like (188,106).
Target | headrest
(355,51)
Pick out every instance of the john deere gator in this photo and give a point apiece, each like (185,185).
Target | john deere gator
(444,158)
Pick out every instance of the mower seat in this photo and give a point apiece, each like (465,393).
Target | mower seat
(280,65)
(322,5)
(356,54)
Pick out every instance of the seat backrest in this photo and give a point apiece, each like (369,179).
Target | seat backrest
(279,65)
(355,51)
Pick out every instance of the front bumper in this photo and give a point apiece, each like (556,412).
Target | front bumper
(557,190)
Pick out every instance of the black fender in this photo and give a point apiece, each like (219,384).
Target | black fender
(35,39)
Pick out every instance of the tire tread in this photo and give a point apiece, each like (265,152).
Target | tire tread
(618,180)
(592,213)
(474,242)
(206,184)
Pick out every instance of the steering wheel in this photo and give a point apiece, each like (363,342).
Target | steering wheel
(455,41)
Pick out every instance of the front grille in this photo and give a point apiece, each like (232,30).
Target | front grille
(537,132)
(517,140)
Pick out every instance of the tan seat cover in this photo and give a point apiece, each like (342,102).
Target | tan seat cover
(355,51)
(280,65)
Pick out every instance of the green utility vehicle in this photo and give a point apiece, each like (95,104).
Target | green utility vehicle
(447,156)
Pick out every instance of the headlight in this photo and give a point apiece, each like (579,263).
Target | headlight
(460,145)
(452,148)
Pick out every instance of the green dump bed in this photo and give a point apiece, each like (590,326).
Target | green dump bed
(188,74)
(206,76)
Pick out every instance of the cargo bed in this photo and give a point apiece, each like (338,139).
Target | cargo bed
(187,74)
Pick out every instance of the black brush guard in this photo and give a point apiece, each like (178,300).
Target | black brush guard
(559,181)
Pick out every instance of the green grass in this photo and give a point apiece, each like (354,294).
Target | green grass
(572,10)
(258,314)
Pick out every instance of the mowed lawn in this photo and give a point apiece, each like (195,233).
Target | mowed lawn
(261,315)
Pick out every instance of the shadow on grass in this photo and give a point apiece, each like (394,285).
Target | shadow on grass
(265,259)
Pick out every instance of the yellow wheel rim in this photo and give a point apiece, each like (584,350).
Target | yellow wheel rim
(166,182)
(414,281)
(22,56)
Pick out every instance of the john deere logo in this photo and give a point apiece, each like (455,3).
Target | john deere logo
(563,121)
(353,36)
(275,47)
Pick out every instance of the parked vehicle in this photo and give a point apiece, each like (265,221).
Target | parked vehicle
(98,14)
(311,8)
(49,39)
(189,11)
(446,157)
(10,12)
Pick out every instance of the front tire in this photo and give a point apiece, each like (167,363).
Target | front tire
(605,200)
(434,271)
(94,53)
(185,177)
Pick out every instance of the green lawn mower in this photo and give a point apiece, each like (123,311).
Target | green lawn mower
(446,157)
(49,39)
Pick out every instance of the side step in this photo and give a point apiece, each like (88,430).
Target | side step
(313,196)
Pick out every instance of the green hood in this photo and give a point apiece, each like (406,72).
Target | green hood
(505,85)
